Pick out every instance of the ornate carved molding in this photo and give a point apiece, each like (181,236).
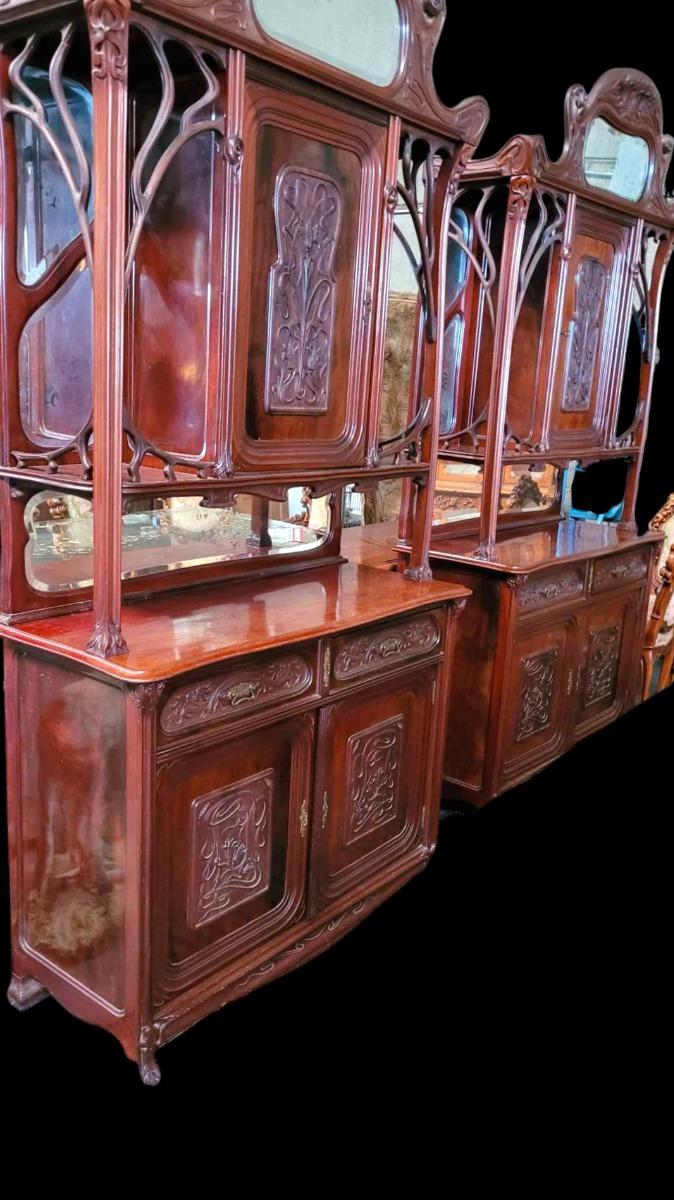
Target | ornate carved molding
(107,640)
(301,947)
(663,515)
(236,692)
(538,682)
(610,572)
(456,607)
(108,21)
(389,646)
(302,292)
(372,777)
(545,591)
(230,848)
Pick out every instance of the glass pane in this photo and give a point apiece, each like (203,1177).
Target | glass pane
(457,259)
(55,363)
(451,355)
(47,221)
(615,161)
(167,535)
(362,41)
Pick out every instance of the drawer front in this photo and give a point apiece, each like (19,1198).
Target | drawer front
(244,688)
(384,646)
(619,570)
(550,587)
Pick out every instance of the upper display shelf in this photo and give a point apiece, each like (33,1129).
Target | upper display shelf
(615,149)
(387,61)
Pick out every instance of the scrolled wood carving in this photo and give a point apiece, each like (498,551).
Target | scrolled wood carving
(583,335)
(230,848)
(603,663)
(302,292)
(400,642)
(108,22)
(538,682)
(233,693)
(372,774)
(545,591)
(631,566)
(302,948)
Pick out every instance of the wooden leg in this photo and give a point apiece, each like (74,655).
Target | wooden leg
(147,1063)
(24,992)
(646,673)
(667,668)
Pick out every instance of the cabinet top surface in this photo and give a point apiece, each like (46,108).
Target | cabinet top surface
(172,634)
(541,548)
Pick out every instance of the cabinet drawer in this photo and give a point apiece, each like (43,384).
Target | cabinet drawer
(384,646)
(550,587)
(245,687)
(619,570)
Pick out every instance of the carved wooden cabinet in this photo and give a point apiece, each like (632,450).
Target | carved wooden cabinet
(553,285)
(545,658)
(224,740)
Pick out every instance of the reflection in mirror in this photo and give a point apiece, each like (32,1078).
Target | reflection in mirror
(615,161)
(46,219)
(458,490)
(167,535)
(337,33)
(457,275)
(55,365)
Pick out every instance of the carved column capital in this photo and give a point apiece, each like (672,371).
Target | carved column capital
(391,197)
(456,607)
(516,582)
(521,188)
(107,640)
(146,696)
(108,22)
(420,574)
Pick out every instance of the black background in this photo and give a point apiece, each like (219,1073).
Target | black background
(529,960)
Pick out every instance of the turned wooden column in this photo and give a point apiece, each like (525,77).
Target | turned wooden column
(518,207)
(108,22)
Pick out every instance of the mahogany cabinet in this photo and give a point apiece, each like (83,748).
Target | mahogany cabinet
(547,655)
(177,841)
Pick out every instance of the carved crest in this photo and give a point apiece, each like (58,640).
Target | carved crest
(108,28)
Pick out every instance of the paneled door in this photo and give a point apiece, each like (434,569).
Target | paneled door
(607,661)
(589,356)
(539,684)
(312,199)
(232,826)
(372,789)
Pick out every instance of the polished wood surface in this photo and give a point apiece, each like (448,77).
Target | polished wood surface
(173,634)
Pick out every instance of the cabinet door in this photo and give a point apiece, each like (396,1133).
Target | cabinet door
(589,351)
(537,697)
(372,783)
(312,199)
(607,662)
(230,849)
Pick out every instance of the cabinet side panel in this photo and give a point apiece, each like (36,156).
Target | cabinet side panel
(471,679)
(72,865)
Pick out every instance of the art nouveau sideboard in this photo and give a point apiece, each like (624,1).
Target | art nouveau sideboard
(554,277)
(224,741)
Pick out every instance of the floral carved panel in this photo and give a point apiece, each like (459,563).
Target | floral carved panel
(388,646)
(538,683)
(229,848)
(373,770)
(232,694)
(603,663)
(302,292)
(584,335)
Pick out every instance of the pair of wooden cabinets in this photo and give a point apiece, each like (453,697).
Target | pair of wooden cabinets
(551,656)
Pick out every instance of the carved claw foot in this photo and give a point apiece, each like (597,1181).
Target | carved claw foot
(24,992)
(147,1063)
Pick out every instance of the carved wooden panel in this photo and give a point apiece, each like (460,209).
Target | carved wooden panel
(235,692)
(388,647)
(373,774)
(584,335)
(547,589)
(612,572)
(307,211)
(230,848)
(603,661)
(538,683)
